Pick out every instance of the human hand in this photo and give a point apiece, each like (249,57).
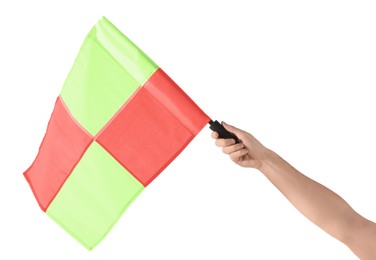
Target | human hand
(248,153)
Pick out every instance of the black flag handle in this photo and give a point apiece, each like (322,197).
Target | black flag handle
(222,132)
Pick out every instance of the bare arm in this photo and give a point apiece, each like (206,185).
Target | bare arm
(316,202)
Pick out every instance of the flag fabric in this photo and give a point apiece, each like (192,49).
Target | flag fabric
(117,123)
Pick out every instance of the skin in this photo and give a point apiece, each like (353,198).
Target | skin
(317,203)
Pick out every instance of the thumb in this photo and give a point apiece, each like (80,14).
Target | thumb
(232,129)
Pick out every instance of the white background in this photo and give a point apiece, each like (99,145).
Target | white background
(299,75)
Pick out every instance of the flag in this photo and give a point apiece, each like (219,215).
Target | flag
(118,122)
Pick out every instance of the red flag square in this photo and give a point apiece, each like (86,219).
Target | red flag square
(63,146)
(144,137)
(152,128)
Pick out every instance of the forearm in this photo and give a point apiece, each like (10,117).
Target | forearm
(316,202)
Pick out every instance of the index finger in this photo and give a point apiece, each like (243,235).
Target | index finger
(220,142)
(214,135)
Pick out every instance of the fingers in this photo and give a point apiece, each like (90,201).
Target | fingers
(229,146)
(233,148)
(214,135)
(224,142)
(220,142)
(235,156)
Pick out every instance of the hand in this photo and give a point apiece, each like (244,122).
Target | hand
(248,153)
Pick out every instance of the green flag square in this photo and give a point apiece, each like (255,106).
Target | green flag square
(94,197)
(104,76)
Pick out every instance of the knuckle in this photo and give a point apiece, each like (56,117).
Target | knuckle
(233,157)
(239,146)
(227,142)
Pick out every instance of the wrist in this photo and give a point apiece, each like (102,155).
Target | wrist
(267,160)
